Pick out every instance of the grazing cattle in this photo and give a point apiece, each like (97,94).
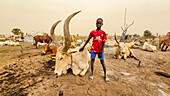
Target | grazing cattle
(67,57)
(149,47)
(42,39)
(121,50)
(79,42)
(11,43)
(166,41)
(52,49)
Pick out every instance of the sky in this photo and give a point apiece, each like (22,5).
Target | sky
(40,15)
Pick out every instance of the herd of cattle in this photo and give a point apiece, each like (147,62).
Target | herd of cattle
(10,43)
(67,53)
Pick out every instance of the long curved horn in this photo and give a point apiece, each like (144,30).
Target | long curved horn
(116,40)
(67,38)
(53,36)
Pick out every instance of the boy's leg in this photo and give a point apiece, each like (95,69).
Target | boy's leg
(93,55)
(92,66)
(104,68)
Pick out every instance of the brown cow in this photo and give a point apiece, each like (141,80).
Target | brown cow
(42,39)
(166,41)
(51,49)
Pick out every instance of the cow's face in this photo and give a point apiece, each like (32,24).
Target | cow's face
(121,46)
(63,61)
(46,48)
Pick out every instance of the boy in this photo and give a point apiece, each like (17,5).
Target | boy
(99,38)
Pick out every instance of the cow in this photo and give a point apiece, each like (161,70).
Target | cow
(50,48)
(42,39)
(79,42)
(149,47)
(131,44)
(11,43)
(67,57)
(166,42)
(120,50)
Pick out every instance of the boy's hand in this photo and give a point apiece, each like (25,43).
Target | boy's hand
(81,49)
(100,55)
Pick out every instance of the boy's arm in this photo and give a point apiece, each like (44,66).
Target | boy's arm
(85,44)
(103,44)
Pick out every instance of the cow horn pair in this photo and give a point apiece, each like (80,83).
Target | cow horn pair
(67,38)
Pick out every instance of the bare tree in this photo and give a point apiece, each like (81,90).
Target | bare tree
(125,28)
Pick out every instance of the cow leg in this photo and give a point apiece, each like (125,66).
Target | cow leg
(83,72)
(114,56)
(75,69)
(118,56)
(52,54)
(125,57)
(163,47)
(135,57)
(49,55)
(36,45)
(65,72)
(166,48)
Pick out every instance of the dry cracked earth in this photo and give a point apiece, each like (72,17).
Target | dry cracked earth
(31,74)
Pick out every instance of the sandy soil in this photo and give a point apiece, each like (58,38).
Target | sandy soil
(30,73)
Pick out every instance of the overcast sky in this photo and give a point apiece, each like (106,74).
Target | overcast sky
(39,15)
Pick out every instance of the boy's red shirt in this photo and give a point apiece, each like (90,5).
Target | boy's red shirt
(98,38)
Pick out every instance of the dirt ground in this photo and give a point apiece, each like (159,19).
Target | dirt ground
(30,73)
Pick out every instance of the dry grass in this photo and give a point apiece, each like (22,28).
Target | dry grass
(12,47)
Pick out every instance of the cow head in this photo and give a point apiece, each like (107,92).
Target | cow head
(46,48)
(63,56)
(121,46)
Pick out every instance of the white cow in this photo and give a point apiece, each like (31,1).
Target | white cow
(79,42)
(11,43)
(2,43)
(149,47)
(67,57)
(121,50)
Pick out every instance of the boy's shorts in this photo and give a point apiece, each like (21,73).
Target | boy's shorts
(93,55)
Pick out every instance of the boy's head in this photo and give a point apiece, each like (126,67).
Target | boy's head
(99,23)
